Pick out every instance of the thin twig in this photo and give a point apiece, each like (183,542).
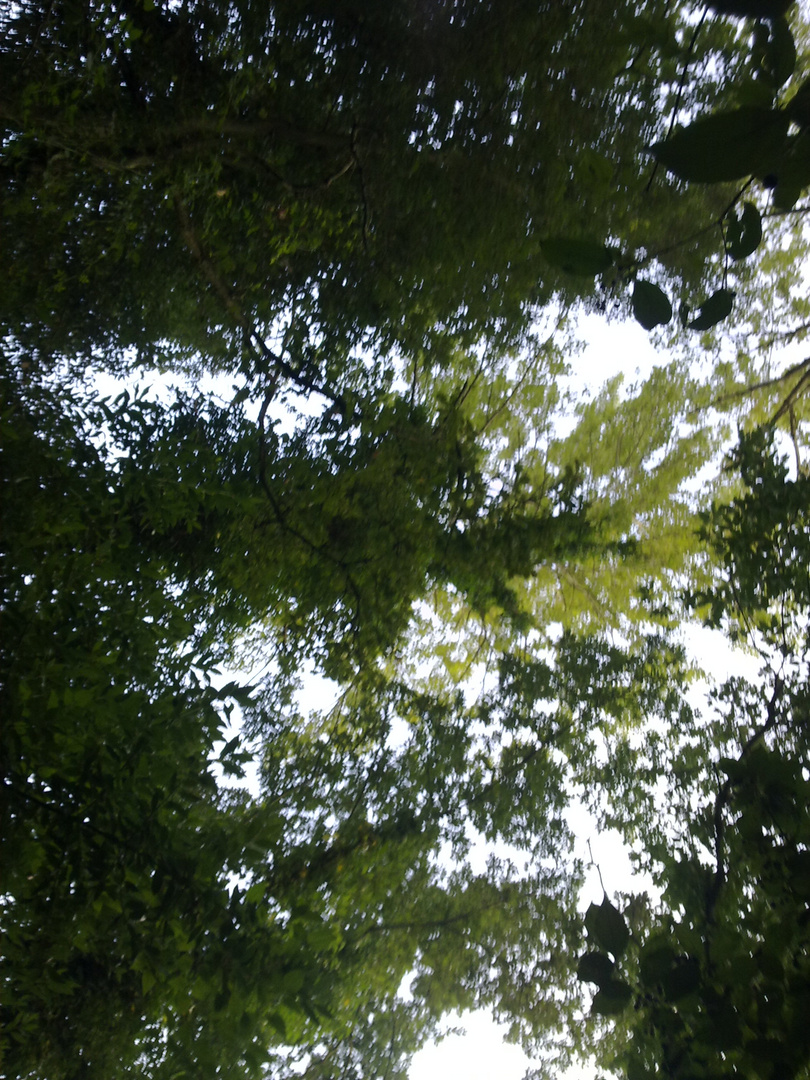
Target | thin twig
(791,398)
(253,339)
(595,864)
(681,87)
(764,385)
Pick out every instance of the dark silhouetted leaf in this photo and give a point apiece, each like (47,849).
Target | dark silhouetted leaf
(725,146)
(606,925)
(792,175)
(656,962)
(612,998)
(798,108)
(780,53)
(744,233)
(595,967)
(714,310)
(651,305)
(276,1021)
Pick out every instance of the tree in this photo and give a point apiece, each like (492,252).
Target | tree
(350,179)
(719,974)
(362,215)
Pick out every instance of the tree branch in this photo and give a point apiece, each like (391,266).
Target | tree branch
(681,88)
(764,385)
(253,339)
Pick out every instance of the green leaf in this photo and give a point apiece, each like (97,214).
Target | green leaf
(606,925)
(734,769)
(276,1021)
(756,92)
(714,310)
(651,305)
(584,258)
(683,979)
(780,53)
(798,108)
(256,892)
(293,981)
(595,967)
(229,746)
(725,146)
(656,962)
(799,869)
(744,234)
(637,1071)
(792,175)
(612,998)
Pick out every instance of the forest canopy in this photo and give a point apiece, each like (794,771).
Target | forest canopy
(332,258)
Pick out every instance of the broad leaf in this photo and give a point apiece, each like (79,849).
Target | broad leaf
(744,233)
(725,146)
(780,53)
(714,310)
(656,962)
(793,173)
(595,967)
(612,998)
(651,305)
(606,925)
(256,891)
(798,108)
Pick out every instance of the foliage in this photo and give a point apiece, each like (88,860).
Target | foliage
(719,979)
(372,221)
